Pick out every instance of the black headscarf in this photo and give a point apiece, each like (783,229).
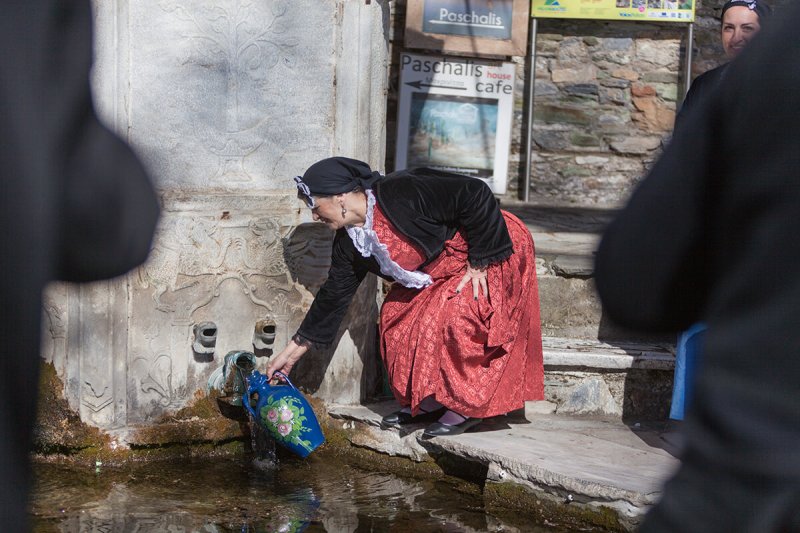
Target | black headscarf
(758,6)
(337,175)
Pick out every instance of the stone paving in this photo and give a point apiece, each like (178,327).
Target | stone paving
(582,461)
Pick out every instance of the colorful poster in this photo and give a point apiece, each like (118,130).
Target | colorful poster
(454,114)
(453,131)
(488,18)
(655,10)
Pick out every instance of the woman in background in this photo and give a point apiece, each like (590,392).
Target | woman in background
(741,21)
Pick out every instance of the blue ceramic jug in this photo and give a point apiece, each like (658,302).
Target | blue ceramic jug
(285,413)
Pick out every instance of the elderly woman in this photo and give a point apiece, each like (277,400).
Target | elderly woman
(460,333)
(741,21)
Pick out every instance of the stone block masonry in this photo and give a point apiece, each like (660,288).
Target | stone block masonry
(604,89)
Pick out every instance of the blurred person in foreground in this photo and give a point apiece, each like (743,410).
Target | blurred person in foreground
(76,206)
(711,234)
(741,20)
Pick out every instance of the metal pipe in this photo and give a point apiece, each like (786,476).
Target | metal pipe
(205,341)
(264,334)
(531,92)
(688,62)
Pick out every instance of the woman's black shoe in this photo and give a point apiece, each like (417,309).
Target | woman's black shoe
(401,418)
(437,429)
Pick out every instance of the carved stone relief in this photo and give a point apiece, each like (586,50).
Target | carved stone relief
(230,269)
(226,118)
(54,325)
(195,254)
(84,336)
(225,100)
(246,40)
(102,334)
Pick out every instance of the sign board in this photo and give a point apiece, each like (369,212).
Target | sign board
(454,114)
(654,10)
(476,27)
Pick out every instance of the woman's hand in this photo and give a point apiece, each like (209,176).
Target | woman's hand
(478,278)
(285,360)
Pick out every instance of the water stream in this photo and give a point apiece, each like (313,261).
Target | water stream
(318,494)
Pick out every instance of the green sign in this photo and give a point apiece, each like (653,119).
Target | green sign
(654,10)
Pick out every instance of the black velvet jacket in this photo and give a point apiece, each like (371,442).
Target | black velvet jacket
(428,207)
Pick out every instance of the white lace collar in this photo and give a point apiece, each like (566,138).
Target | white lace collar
(366,242)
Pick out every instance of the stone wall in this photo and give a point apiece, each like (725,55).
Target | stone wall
(605,100)
(225,100)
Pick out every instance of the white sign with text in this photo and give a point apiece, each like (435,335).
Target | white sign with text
(454,114)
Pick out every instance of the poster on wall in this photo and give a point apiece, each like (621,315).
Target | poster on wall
(454,114)
(477,27)
(656,10)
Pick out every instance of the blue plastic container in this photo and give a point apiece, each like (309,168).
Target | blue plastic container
(285,413)
(689,350)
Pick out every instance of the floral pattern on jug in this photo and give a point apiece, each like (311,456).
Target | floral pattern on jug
(284,418)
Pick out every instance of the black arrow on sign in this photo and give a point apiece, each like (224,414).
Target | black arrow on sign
(419,85)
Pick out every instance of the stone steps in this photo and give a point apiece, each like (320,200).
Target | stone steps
(631,381)
(592,366)
(582,353)
(566,239)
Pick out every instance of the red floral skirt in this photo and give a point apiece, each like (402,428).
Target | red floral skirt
(478,358)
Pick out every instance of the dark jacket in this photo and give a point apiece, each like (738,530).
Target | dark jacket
(712,234)
(704,85)
(428,207)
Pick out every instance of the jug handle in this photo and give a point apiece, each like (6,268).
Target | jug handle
(246,404)
(246,397)
(285,378)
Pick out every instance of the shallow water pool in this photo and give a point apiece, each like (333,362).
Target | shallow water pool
(236,494)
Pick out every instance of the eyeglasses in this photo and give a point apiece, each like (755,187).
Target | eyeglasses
(304,193)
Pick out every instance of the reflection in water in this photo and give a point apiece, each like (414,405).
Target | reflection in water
(232,495)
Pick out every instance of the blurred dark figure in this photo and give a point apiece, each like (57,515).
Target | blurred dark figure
(712,234)
(76,205)
(741,21)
